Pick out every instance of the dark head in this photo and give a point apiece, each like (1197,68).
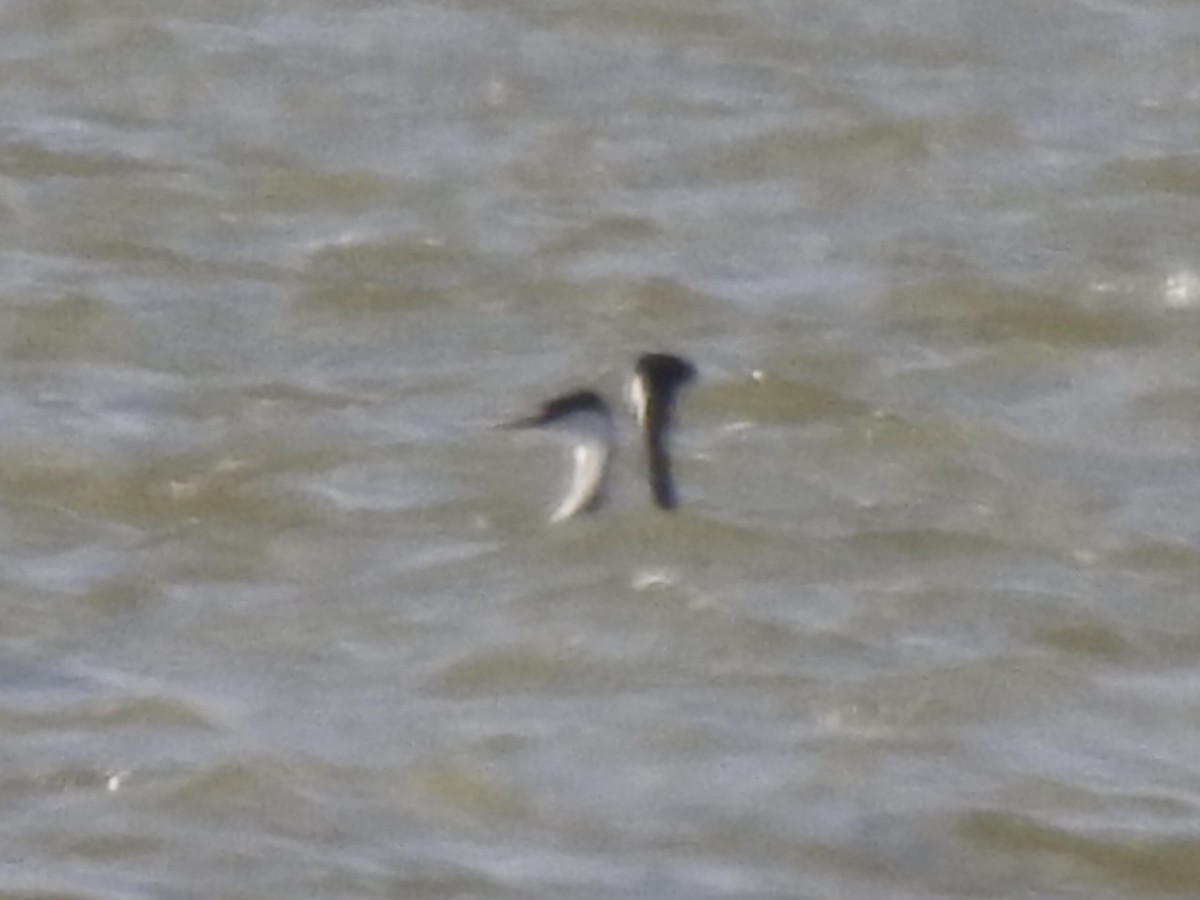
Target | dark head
(562,411)
(657,380)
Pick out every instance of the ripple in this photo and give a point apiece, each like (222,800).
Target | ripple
(76,327)
(1141,862)
(107,713)
(765,398)
(989,311)
(526,669)
(462,790)
(261,791)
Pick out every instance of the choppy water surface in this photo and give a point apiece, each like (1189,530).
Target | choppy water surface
(282,615)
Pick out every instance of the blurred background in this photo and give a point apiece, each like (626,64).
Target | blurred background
(281,614)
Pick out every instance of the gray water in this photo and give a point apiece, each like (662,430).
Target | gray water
(281,614)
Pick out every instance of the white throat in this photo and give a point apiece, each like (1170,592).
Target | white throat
(639,399)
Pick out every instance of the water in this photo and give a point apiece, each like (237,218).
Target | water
(282,615)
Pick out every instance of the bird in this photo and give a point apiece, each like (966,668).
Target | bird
(586,419)
(654,390)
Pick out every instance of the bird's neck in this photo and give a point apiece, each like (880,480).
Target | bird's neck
(589,480)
